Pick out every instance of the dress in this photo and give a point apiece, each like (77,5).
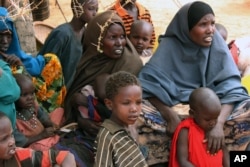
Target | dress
(29,157)
(178,67)
(115,147)
(10,92)
(34,126)
(63,43)
(143,14)
(92,64)
(45,69)
(198,155)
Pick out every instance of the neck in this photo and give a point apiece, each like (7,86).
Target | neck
(77,24)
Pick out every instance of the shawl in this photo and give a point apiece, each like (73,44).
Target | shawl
(94,63)
(9,92)
(179,66)
(33,65)
(197,153)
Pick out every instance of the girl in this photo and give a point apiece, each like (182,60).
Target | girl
(32,121)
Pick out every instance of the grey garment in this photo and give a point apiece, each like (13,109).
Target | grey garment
(179,66)
(63,42)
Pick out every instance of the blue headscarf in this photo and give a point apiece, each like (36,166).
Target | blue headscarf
(33,65)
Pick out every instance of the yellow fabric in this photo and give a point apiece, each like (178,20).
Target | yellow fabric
(246,82)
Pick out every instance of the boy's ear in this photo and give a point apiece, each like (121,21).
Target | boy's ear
(108,103)
(191,113)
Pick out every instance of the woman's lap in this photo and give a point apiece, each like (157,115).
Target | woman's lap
(155,143)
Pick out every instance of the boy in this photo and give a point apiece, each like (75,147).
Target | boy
(130,11)
(189,142)
(140,36)
(115,146)
(17,157)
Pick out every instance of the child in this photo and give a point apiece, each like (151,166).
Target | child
(130,11)
(32,121)
(140,36)
(115,146)
(189,145)
(16,157)
(66,40)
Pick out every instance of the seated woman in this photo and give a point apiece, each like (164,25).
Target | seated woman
(192,54)
(46,69)
(108,50)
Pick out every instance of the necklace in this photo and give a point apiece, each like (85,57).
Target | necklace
(32,121)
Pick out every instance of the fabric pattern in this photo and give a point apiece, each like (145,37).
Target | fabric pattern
(143,14)
(115,147)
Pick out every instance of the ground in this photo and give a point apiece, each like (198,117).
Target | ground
(231,13)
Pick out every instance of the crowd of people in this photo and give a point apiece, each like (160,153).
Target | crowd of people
(133,105)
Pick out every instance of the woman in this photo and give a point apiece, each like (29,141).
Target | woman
(46,69)
(107,51)
(192,54)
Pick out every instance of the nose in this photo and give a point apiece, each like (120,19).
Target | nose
(133,108)
(11,141)
(4,38)
(118,42)
(211,28)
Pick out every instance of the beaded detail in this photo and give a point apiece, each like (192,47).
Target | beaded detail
(32,121)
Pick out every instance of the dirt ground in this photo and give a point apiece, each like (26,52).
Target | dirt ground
(235,15)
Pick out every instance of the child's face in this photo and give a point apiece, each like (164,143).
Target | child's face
(114,41)
(90,9)
(27,97)
(206,119)
(141,38)
(5,40)
(7,141)
(126,105)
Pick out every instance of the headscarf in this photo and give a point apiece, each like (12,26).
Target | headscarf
(33,65)
(6,23)
(196,11)
(179,66)
(94,63)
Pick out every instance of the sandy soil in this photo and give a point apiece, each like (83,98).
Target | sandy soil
(235,15)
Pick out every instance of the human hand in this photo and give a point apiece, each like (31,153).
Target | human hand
(215,139)
(49,132)
(78,99)
(13,60)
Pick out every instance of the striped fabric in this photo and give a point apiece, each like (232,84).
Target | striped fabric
(143,14)
(114,147)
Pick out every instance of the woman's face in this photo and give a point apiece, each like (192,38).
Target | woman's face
(114,41)
(202,33)
(5,40)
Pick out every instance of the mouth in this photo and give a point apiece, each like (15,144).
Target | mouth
(133,118)
(208,39)
(118,51)
(12,151)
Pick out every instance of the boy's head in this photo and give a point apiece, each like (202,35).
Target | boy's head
(123,97)
(27,88)
(222,30)
(84,9)
(124,2)
(141,35)
(205,107)
(7,141)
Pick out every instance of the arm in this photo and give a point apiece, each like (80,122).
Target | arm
(215,137)
(226,160)
(48,132)
(182,149)
(167,113)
